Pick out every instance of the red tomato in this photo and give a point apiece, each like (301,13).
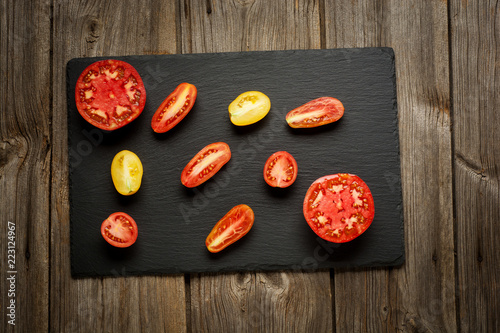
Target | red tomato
(339,207)
(110,94)
(320,111)
(119,230)
(280,169)
(205,164)
(174,108)
(234,225)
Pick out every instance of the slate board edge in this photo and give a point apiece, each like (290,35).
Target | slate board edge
(399,261)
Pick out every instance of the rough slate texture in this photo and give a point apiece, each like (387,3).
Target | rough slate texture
(174,221)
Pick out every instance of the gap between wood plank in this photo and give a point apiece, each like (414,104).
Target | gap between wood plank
(453,171)
(51,134)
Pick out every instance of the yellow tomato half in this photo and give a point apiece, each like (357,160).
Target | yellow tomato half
(126,171)
(249,108)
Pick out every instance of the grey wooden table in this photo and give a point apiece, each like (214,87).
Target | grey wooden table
(448,85)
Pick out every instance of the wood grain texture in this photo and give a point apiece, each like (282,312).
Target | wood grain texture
(475,49)
(279,302)
(139,304)
(419,296)
(25,149)
(441,47)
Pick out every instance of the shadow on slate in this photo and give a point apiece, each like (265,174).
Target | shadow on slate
(173,221)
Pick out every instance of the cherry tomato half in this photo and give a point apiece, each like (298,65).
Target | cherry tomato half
(110,94)
(126,172)
(205,164)
(280,169)
(234,225)
(249,108)
(319,111)
(174,108)
(339,207)
(119,230)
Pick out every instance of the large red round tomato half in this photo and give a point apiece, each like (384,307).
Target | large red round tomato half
(119,230)
(206,163)
(110,94)
(318,112)
(339,207)
(280,170)
(174,108)
(232,227)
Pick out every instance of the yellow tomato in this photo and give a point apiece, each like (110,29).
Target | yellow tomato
(126,171)
(249,108)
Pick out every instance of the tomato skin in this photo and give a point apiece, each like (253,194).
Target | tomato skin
(174,108)
(280,169)
(126,172)
(339,207)
(119,230)
(248,108)
(318,112)
(110,94)
(232,227)
(206,163)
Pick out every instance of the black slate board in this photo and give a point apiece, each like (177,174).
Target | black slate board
(174,221)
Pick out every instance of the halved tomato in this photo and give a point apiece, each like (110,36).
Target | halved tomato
(205,164)
(126,172)
(319,111)
(174,108)
(339,207)
(280,169)
(234,225)
(119,230)
(249,108)
(110,94)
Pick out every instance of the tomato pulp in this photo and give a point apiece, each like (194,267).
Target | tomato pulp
(232,227)
(248,108)
(206,163)
(339,207)
(319,111)
(119,230)
(126,172)
(280,170)
(174,108)
(109,94)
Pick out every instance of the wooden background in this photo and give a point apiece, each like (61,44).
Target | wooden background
(448,81)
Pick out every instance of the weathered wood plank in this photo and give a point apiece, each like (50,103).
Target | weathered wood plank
(132,304)
(475,49)
(419,296)
(247,302)
(25,149)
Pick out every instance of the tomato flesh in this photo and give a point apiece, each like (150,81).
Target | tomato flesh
(280,170)
(109,94)
(119,230)
(339,207)
(126,172)
(318,112)
(174,108)
(206,163)
(249,108)
(232,227)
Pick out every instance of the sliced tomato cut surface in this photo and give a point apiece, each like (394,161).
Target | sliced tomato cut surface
(126,172)
(319,111)
(280,169)
(174,108)
(119,230)
(232,227)
(110,94)
(248,108)
(206,163)
(339,207)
